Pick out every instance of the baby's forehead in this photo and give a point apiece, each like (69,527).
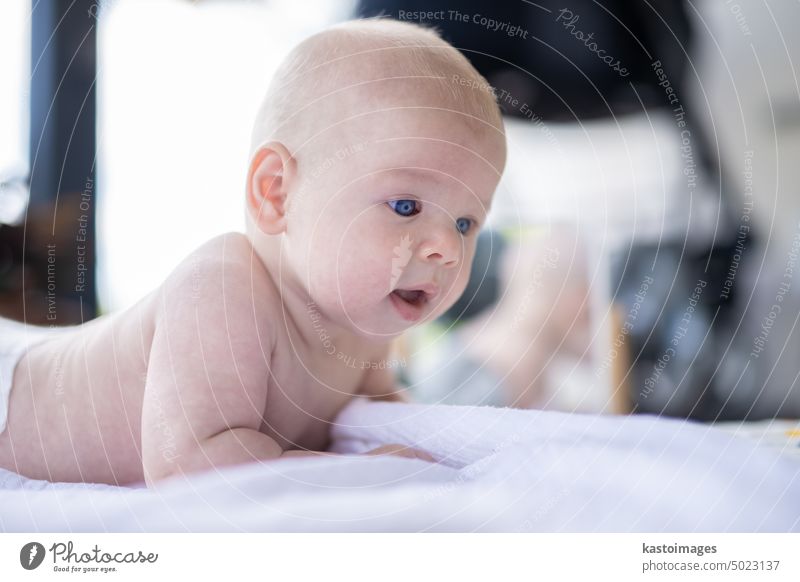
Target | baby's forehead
(425,150)
(403,134)
(400,111)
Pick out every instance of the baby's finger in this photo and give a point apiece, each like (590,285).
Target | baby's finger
(401,451)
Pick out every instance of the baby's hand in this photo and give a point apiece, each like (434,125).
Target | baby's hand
(401,451)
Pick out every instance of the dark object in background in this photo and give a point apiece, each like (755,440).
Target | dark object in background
(681,330)
(32,283)
(484,285)
(48,274)
(545,64)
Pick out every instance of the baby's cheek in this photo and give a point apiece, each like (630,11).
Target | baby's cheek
(367,275)
(371,257)
(353,273)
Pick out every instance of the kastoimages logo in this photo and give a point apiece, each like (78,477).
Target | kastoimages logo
(31,555)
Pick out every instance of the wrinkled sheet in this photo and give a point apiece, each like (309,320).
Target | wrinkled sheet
(498,470)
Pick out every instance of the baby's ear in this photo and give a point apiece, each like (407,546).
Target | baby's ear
(271,170)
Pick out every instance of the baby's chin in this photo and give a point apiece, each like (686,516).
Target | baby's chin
(388,320)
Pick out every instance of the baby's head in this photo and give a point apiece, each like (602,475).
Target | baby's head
(375,157)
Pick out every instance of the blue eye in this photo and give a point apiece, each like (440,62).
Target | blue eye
(463,225)
(405,207)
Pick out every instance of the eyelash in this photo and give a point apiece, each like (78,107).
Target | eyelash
(393,204)
(416,208)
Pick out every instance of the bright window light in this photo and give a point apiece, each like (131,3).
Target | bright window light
(15,43)
(179,86)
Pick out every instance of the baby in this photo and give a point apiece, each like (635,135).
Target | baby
(375,157)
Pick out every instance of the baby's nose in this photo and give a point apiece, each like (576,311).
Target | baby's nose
(443,246)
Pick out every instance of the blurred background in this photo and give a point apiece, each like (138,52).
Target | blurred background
(642,247)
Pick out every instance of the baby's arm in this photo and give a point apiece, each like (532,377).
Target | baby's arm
(380,383)
(207,375)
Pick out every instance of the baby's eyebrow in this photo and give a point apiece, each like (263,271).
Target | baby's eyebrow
(425,174)
(430,175)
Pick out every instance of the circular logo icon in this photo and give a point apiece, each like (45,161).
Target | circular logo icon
(31,555)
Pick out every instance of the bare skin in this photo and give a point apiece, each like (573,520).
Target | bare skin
(256,341)
(224,364)
(86,390)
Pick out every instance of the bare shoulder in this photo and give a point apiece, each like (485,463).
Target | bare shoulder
(230,252)
(225,273)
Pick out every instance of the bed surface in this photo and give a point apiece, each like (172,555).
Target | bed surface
(498,470)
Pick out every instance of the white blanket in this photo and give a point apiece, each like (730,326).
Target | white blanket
(498,470)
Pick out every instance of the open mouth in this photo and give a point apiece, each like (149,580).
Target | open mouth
(410,303)
(412,296)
